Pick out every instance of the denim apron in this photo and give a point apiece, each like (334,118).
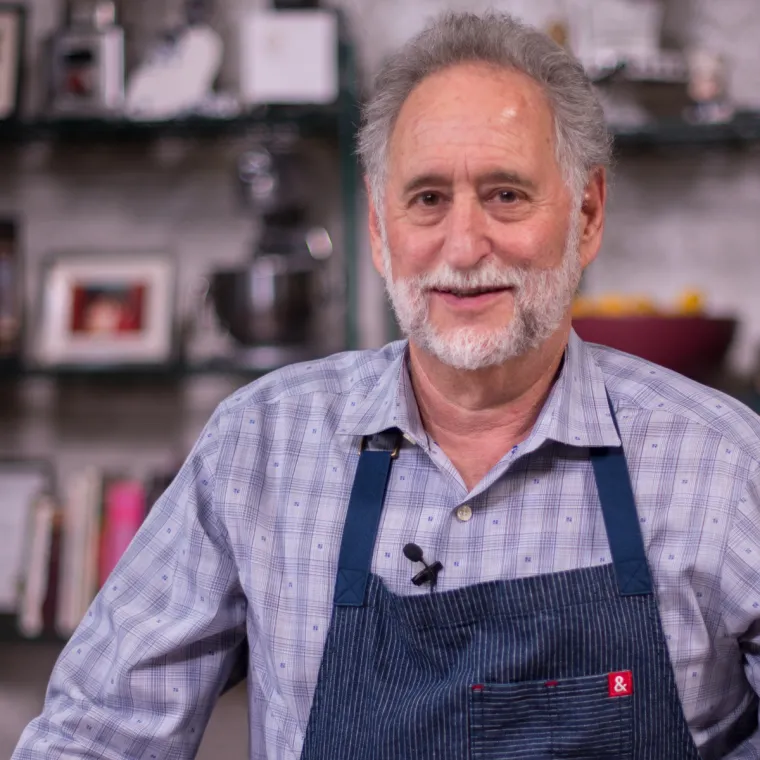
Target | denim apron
(566,665)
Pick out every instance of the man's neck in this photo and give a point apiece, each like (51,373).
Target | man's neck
(476,417)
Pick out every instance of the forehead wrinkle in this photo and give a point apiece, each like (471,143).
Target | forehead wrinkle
(463,124)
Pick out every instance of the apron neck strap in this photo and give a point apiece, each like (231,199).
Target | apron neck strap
(613,482)
(362,521)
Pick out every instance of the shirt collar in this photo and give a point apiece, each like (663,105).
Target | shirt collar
(576,412)
(387,405)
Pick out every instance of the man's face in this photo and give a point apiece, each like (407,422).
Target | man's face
(475,239)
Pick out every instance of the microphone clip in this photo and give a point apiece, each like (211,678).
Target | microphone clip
(430,573)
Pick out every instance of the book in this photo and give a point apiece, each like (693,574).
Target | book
(78,578)
(39,561)
(21,482)
(124,510)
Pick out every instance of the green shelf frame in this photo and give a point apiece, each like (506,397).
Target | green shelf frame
(320,121)
(9,634)
(339,120)
(742,130)
(128,373)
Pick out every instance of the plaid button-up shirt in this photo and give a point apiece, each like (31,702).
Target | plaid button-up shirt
(241,550)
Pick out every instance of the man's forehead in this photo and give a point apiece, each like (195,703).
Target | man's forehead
(472,102)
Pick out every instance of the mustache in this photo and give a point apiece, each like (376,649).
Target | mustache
(489,275)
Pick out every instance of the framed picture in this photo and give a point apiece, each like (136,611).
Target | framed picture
(107,309)
(12,35)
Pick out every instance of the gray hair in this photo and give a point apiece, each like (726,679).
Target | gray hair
(582,141)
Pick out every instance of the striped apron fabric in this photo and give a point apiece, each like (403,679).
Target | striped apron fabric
(567,665)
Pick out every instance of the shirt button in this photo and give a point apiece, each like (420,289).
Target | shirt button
(464,513)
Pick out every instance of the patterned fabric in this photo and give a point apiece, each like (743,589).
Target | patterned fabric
(413,676)
(566,665)
(246,540)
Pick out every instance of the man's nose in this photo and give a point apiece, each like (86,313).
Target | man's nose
(466,242)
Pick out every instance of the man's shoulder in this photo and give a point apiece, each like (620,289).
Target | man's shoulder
(353,373)
(640,385)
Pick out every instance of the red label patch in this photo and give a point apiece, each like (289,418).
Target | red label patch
(620,684)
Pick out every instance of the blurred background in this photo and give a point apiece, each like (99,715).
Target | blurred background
(181,212)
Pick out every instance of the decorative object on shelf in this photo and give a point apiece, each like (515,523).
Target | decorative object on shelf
(663,67)
(87,61)
(614,29)
(22,482)
(289,57)
(12,37)
(109,309)
(11,292)
(557,29)
(178,76)
(708,88)
(684,336)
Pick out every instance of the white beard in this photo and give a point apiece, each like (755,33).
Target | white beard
(541,300)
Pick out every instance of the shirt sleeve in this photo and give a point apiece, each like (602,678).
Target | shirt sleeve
(740,583)
(142,672)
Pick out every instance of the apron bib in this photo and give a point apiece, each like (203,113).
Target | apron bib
(566,665)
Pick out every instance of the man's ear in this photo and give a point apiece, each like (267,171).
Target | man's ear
(592,216)
(375,238)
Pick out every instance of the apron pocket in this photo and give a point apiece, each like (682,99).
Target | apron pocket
(575,718)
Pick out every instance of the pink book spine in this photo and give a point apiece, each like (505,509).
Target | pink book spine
(124,513)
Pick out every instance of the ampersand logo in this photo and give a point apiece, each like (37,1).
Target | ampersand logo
(620,684)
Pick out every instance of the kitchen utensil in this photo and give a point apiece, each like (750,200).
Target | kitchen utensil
(272,179)
(274,299)
(695,346)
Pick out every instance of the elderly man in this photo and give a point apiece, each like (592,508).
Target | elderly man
(582,527)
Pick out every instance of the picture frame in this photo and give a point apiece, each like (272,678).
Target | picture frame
(12,44)
(107,309)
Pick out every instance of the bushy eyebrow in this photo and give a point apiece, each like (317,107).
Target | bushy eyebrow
(497,177)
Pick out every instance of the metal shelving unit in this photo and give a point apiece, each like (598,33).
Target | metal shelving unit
(311,121)
(336,122)
(742,130)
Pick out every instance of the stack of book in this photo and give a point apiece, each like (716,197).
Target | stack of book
(63,547)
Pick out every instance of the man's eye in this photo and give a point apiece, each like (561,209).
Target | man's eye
(428,199)
(507,196)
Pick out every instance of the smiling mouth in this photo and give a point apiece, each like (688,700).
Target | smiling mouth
(470,292)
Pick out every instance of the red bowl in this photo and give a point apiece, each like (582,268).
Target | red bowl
(694,346)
